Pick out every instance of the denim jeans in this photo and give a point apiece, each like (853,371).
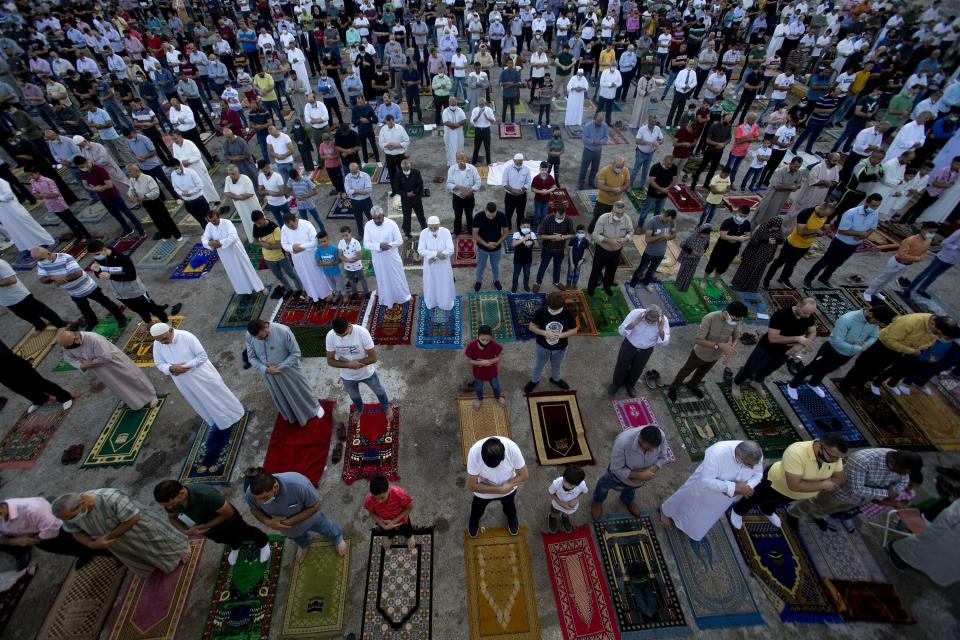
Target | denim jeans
(646,269)
(541,355)
(323,526)
(609,482)
(494,256)
(540,210)
(733,164)
(750,179)
(573,274)
(281,270)
(273,106)
(707,215)
(934,270)
(278,210)
(545,258)
(650,203)
(642,161)
(352,387)
(525,268)
(589,166)
(283,168)
(313,212)
(494,384)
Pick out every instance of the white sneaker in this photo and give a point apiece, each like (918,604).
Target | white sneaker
(927,390)
(792,392)
(32,408)
(775,521)
(894,390)
(867,297)
(320,411)
(874,389)
(265,553)
(66,405)
(904,389)
(736,520)
(233,556)
(879,296)
(819,391)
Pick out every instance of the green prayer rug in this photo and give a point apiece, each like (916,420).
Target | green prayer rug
(716,295)
(762,419)
(123,436)
(241,309)
(213,453)
(637,197)
(689,302)
(608,311)
(493,309)
(698,420)
(317,593)
(255,253)
(106,327)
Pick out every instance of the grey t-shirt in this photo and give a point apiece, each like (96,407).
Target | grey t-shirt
(14,293)
(296,494)
(657,227)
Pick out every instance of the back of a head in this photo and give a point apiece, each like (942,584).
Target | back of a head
(259,481)
(737,309)
(909,460)
(555,300)
(492,452)
(573,475)
(255,326)
(834,441)
(166,490)
(883,314)
(651,435)
(379,485)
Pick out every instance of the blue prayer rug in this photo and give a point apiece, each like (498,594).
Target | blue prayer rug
(439,329)
(197,263)
(822,416)
(522,308)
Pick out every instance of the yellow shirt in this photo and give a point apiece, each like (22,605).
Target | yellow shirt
(800,460)
(908,332)
(266,85)
(813,223)
(859,82)
(720,184)
(612,179)
(272,255)
(608,58)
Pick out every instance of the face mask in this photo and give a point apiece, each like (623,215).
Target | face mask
(929,236)
(618,169)
(555,312)
(581,236)
(731,322)
(739,219)
(869,210)
(524,230)
(617,218)
(268,501)
(558,219)
(99,258)
(77,518)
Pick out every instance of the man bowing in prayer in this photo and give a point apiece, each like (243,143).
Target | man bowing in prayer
(436,248)
(382,237)
(25,232)
(274,351)
(299,239)
(180,355)
(221,235)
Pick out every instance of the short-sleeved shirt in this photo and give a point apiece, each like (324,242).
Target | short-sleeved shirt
(656,227)
(477,351)
(353,346)
(494,476)
(786,321)
(662,176)
(714,328)
(201,505)
(542,183)
(296,494)
(813,221)
(65,265)
(273,183)
(328,253)
(397,500)
(522,254)
(733,229)
(269,233)
(565,495)
(722,185)
(800,460)
(612,179)
(560,322)
(490,230)
(351,250)
(14,293)
(97,176)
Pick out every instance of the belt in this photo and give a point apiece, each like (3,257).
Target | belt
(906,264)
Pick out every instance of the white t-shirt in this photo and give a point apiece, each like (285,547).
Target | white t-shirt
(783,81)
(563,495)
(351,251)
(273,183)
(494,476)
(280,145)
(352,346)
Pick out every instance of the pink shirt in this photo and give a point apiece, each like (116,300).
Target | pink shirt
(327,149)
(30,517)
(44,186)
(745,130)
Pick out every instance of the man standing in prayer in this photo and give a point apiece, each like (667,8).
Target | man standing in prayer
(577,88)
(25,232)
(454,120)
(495,469)
(189,156)
(817,183)
(18,299)
(273,350)
(350,349)
(784,183)
(89,351)
(435,246)
(612,232)
(553,324)
(731,469)
(642,330)
(381,236)
(96,153)
(180,355)
(110,519)
(717,338)
(299,239)
(238,188)
(221,235)
(637,455)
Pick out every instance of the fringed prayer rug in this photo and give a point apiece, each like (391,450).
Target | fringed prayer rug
(409,255)
(509,131)
(640,298)
(838,554)
(373,444)
(161,254)
(493,309)
(121,440)
(77,248)
(615,136)
(589,199)
(398,598)
(522,308)
(311,321)
(691,305)
(108,327)
(127,244)
(84,601)
(576,303)
(198,262)
(393,325)
(464,252)
(340,210)
(301,449)
(756,304)
(20,260)
(501,598)
(213,453)
(10,598)
(35,345)
(783,298)
(735,202)
(886,421)
(637,197)
(29,435)
(822,416)
(636,412)
(934,415)
(491,419)
(699,422)
(685,199)
(139,346)
(608,311)
(855,292)
(761,419)
(544,132)
(317,593)
(321,177)
(867,602)
(563,196)
(439,329)
(558,433)
(255,253)
(241,309)
(831,303)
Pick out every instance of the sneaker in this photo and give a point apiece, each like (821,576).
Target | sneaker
(874,389)
(695,391)
(894,390)
(233,556)
(530,386)
(32,408)
(66,405)
(497,285)
(476,286)
(631,392)
(927,390)
(672,394)
(565,523)
(775,520)
(473,530)
(904,389)
(513,526)
(560,383)
(264,553)
(880,296)
(818,390)
(792,392)
(867,297)
(552,523)
(612,390)
(736,520)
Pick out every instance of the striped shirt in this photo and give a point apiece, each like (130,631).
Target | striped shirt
(828,101)
(63,264)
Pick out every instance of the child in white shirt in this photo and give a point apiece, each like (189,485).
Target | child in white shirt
(760,157)
(350,251)
(565,492)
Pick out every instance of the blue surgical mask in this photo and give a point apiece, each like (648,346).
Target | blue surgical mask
(739,219)
(869,210)
(581,235)
(929,236)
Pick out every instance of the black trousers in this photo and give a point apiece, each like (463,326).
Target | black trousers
(743,107)
(764,497)
(36,313)
(514,203)
(439,104)
(413,104)
(64,544)
(145,307)
(203,118)
(198,208)
(925,200)
(599,209)
(23,380)
(826,361)
(361,213)
(711,159)
(336,177)
(368,137)
(333,109)
(76,227)
(157,211)
(776,157)
(408,205)
(788,258)
(761,363)
(481,136)
(235,531)
(604,266)
(194,136)
(100,298)
(479,505)
(836,254)
(630,365)
(676,108)
(644,272)
(874,365)
(462,207)
(391,162)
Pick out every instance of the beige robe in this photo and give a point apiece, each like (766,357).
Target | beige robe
(810,196)
(645,90)
(114,369)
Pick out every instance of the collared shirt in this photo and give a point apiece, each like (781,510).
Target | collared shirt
(594,136)
(852,333)
(856,219)
(908,332)
(869,137)
(30,517)
(188,184)
(63,149)
(950,249)
(393,109)
(866,477)
(394,135)
(487,117)
(144,186)
(608,229)
(357,182)
(647,137)
(627,455)
(65,265)
(944,175)
(517,177)
(99,117)
(296,494)
(316,111)
(142,145)
(466,177)
(644,335)
(628,61)
(799,459)
(182,118)
(686,81)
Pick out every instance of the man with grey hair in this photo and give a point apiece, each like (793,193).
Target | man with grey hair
(381,236)
(642,330)
(730,470)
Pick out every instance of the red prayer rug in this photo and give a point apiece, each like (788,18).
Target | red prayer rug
(733,202)
(301,449)
(636,412)
(684,199)
(393,325)
(561,198)
(464,252)
(373,444)
(509,130)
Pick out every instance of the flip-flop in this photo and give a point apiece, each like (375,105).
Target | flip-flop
(337,453)
(855,278)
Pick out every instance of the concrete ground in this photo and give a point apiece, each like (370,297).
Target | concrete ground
(423,384)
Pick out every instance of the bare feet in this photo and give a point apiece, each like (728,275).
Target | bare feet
(476,405)
(666,521)
(412,544)
(386,543)
(756,386)
(153,403)
(735,391)
(75,395)
(342,548)
(301,553)
(596,510)
(502,401)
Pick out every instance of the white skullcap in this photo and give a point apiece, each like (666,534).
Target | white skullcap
(519,156)
(78,139)
(433,220)
(159,329)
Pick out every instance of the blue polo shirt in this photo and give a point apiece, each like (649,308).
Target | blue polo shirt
(141,145)
(856,219)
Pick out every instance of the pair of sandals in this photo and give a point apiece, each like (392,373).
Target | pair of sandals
(341,440)
(72,455)
(652,379)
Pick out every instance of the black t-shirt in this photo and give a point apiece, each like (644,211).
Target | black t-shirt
(733,229)
(490,230)
(789,325)
(663,176)
(563,321)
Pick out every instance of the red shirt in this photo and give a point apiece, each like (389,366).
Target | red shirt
(683,135)
(97,176)
(542,183)
(397,500)
(231,119)
(476,351)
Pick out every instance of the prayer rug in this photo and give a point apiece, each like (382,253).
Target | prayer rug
(213,453)
(522,308)
(469,131)
(815,252)
(301,449)
(20,260)
(868,602)
(898,230)
(608,311)
(717,591)
(856,295)
(716,295)
(415,130)
(126,244)
(839,555)
(29,435)
(623,260)
(340,210)
(393,325)
(373,444)
(685,199)
(139,346)
(78,248)
(317,592)
(10,598)
(558,433)
(823,416)
(509,131)
(321,177)
(439,329)
(831,303)
(735,202)
(699,421)
(615,136)
(783,298)
(761,419)
(161,254)
(398,598)
(935,416)
(543,133)
(371,169)
(563,196)
(197,263)
(152,607)
(574,131)
(501,597)
(670,265)
(409,255)
(241,309)
(879,241)
(644,598)
(426,91)
(756,305)
(255,253)
(521,108)
(106,327)
(84,601)
(776,557)
(886,421)
(464,252)
(491,419)
(583,600)
(493,309)
(483,172)
(35,345)
(728,106)
(295,312)
(637,197)
(241,604)
(640,298)
(636,412)
(589,199)
(576,303)
(691,305)
(93,214)
(382,176)
(120,441)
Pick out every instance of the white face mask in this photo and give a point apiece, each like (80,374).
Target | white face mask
(731,322)
(929,236)
(558,219)
(524,230)
(581,235)
(617,218)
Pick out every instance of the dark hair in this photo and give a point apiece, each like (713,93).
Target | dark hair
(555,300)
(669,213)
(321,234)
(81,160)
(909,460)
(944,324)
(379,485)
(491,206)
(256,215)
(930,224)
(166,490)
(873,197)
(492,452)
(256,325)
(213,213)
(573,474)
(258,480)
(834,441)
(289,216)
(738,309)
(744,209)
(651,435)
(263,162)
(580,226)
(339,324)
(883,313)
(345,228)
(484,330)
(95,245)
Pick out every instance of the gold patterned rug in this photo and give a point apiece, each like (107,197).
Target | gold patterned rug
(84,601)
(139,346)
(317,592)
(491,419)
(35,345)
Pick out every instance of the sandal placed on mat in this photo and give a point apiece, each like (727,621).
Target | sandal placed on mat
(728,374)
(705,431)
(338,453)
(855,279)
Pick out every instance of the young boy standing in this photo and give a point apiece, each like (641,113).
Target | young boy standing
(350,251)
(390,508)
(523,242)
(484,355)
(565,492)
(328,259)
(576,256)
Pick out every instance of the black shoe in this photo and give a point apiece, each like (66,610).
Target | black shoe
(476,286)
(497,285)
(923,294)
(672,394)
(612,389)
(513,525)
(821,524)
(631,392)
(785,283)
(277,293)
(175,309)
(695,391)
(560,383)
(530,386)
(513,289)
(23,561)
(472,531)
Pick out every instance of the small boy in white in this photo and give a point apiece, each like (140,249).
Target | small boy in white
(565,492)
(350,253)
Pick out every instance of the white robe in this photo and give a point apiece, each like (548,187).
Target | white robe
(243,277)
(202,385)
(188,152)
(392,286)
(25,232)
(709,491)
(298,62)
(453,138)
(909,135)
(245,208)
(314,282)
(574,115)
(436,251)
(776,41)
(890,183)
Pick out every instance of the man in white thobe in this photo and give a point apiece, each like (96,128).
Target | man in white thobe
(180,355)
(730,469)
(25,232)
(454,120)
(187,153)
(436,248)
(816,185)
(890,182)
(383,238)
(221,235)
(576,90)
(910,137)
(238,188)
(298,63)
(89,351)
(299,239)
(98,154)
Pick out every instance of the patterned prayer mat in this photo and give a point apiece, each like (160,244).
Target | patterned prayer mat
(198,262)
(879,241)
(636,412)
(644,598)
(867,602)
(126,244)
(886,421)
(544,132)
(684,199)
(469,131)
(561,195)
(321,177)
(415,130)
(35,345)
(509,131)
(838,554)
(139,346)
(160,254)
(933,304)
(301,449)
(608,311)
(716,295)
(106,327)
(717,591)
(409,255)
(373,444)
(306,313)
(84,601)
(831,303)
(501,598)
(623,260)
(776,558)
(576,303)
(78,248)
(640,298)
(10,598)
(464,252)
(689,302)
(615,136)
(29,435)
(822,416)
(670,265)
(589,199)
(491,308)
(783,298)
(558,433)
(213,453)
(120,441)
(398,599)
(761,419)
(583,600)
(371,168)
(439,329)
(255,253)
(756,305)
(152,607)
(935,416)
(340,210)
(393,325)
(574,131)
(699,422)
(492,419)
(522,308)
(735,202)
(317,592)
(241,604)
(241,309)
(20,260)
(483,172)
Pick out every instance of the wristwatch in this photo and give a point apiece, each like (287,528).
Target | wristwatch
(716,346)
